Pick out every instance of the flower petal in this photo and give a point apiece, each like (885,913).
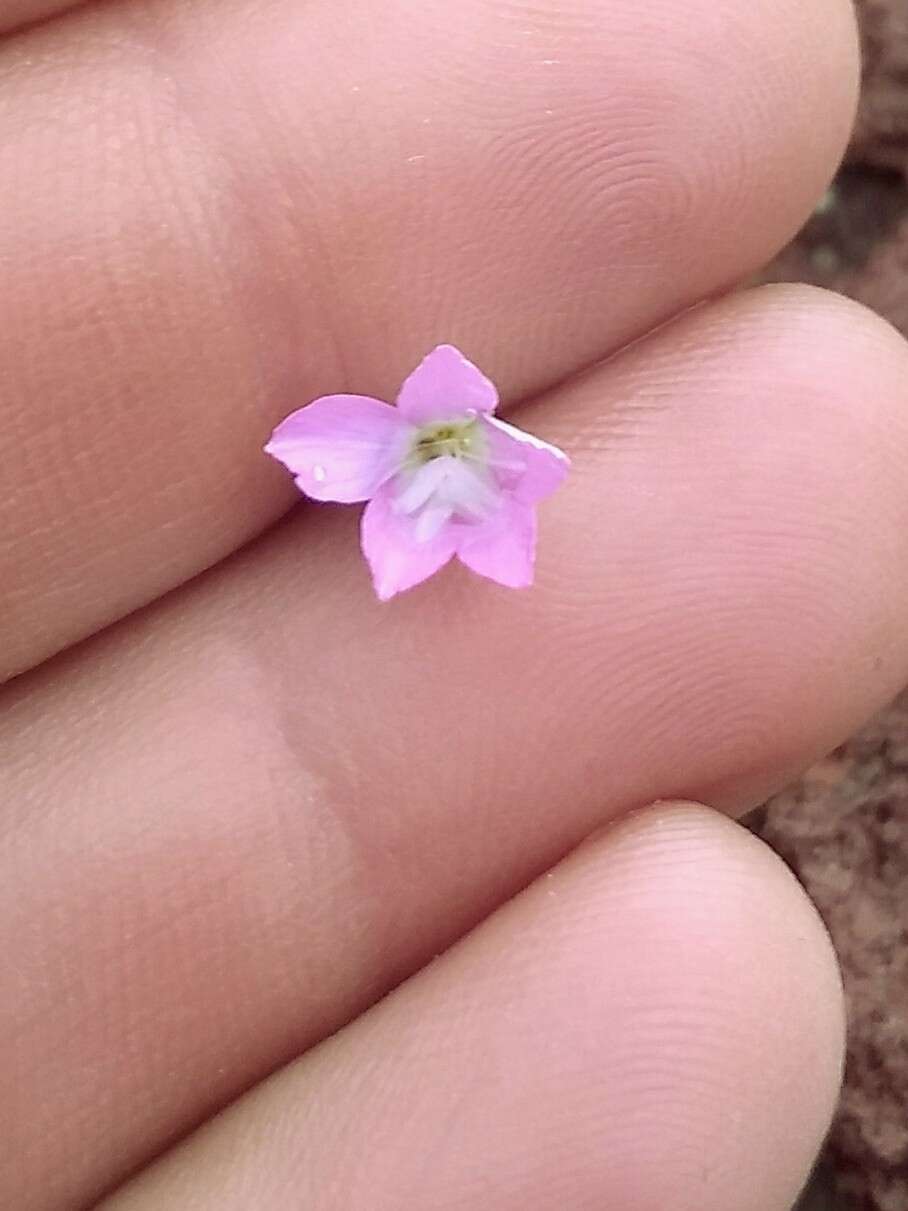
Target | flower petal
(544,467)
(341,447)
(504,547)
(445,386)
(398,559)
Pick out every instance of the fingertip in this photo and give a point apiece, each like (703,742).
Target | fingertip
(724,1007)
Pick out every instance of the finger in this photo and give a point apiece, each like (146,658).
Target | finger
(212,214)
(238,819)
(655,1023)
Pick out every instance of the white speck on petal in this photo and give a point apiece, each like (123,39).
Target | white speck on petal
(319,474)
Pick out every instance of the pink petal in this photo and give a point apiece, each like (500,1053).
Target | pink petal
(396,556)
(529,468)
(504,547)
(341,447)
(445,386)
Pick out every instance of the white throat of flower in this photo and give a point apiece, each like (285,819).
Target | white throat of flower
(447,475)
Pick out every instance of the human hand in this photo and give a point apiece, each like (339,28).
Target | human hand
(238,817)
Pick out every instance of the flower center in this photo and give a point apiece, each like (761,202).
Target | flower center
(446,477)
(449,439)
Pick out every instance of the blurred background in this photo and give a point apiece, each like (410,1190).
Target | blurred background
(844,828)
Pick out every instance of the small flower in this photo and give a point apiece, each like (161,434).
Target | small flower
(442,474)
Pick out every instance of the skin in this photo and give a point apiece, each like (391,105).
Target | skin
(239,808)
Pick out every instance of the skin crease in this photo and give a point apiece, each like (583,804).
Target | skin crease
(234,821)
(18,13)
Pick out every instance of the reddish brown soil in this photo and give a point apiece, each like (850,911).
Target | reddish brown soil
(844,829)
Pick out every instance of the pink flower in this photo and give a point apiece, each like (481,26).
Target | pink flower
(442,474)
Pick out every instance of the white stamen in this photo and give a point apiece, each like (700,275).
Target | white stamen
(423,485)
(431,520)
